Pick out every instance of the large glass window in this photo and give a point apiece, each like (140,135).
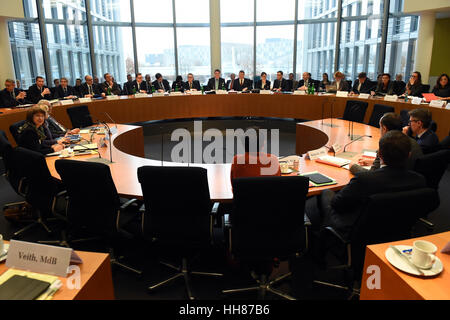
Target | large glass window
(237,50)
(234,11)
(267,10)
(153,11)
(192,11)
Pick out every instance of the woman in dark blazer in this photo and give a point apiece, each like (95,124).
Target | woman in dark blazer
(442,87)
(32,133)
(325,82)
(178,83)
(385,86)
(414,86)
(263,84)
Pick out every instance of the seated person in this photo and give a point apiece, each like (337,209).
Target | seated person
(32,133)
(362,84)
(280,83)
(138,85)
(11,97)
(263,83)
(64,91)
(91,90)
(306,82)
(384,87)
(161,84)
(217,82)
(254,163)
(340,82)
(399,84)
(325,82)
(414,86)
(230,82)
(442,87)
(178,84)
(341,210)
(39,91)
(56,130)
(390,121)
(419,129)
(191,84)
(242,83)
(110,87)
(291,82)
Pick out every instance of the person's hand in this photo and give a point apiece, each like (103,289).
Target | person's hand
(372,93)
(160,90)
(303,88)
(88,95)
(21,95)
(142,91)
(46,91)
(74,131)
(103,94)
(365,162)
(57,147)
(405,130)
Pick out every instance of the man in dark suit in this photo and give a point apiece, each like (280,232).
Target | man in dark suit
(56,84)
(362,84)
(148,81)
(161,84)
(291,82)
(127,85)
(109,87)
(306,82)
(139,85)
(192,84)
(419,129)
(11,97)
(341,210)
(242,83)
(90,90)
(77,88)
(216,83)
(230,83)
(399,85)
(280,83)
(39,91)
(64,90)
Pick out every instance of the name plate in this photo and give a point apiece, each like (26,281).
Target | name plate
(84,100)
(38,258)
(416,100)
(437,103)
(315,154)
(337,148)
(113,97)
(66,102)
(175,93)
(195,93)
(390,98)
(342,94)
(265,92)
(54,101)
(221,92)
(158,94)
(141,95)
(364,96)
(300,92)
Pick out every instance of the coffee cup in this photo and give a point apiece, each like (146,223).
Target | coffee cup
(284,166)
(64,153)
(423,254)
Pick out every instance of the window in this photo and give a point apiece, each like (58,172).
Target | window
(153,11)
(237,50)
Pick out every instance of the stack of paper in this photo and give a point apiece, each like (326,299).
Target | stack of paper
(333,161)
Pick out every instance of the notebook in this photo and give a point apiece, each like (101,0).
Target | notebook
(22,288)
(318,180)
(333,161)
(429,97)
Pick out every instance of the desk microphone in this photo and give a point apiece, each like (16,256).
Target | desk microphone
(356,140)
(107,114)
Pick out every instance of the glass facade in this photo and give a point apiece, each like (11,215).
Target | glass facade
(173,37)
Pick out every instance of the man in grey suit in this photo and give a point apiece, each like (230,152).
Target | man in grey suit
(390,121)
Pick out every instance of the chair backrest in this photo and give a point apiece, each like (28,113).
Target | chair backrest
(445,143)
(432,166)
(355,110)
(390,217)
(177,204)
(349,83)
(80,116)
(378,111)
(41,187)
(93,199)
(268,216)
(14,129)
(425,88)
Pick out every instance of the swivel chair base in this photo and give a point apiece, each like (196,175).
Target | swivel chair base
(352,291)
(115,261)
(183,272)
(264,286)
(66,242)
(38,222)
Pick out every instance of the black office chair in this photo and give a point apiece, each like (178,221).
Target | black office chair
(80,116)
(432,166)
(445,143)
(14,129)
(355,111)
(349,83)
(94,207)
(178,215)
(267,223)
(378,111)
(386,217)
(399,87)
(425,88)
(42,188)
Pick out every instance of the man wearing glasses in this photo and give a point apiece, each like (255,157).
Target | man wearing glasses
(419,129)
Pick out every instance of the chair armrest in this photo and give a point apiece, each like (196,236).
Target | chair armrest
(307,221)
(337,235)
(215,208)
(128,203)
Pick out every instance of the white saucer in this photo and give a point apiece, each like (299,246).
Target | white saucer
(400,264)
(288,171)
(5,250)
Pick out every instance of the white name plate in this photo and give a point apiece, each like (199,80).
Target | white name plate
(141,95)
(337,148)
(84,100)
(158,94)
(364,96)
(314,154)
(54,101)
(342,94)
(437,103)
(300,92)
(195,93)
(221,92)
(416,100)
(113,97)
(38,258)
(390,98)
(265,92)
(175,93)
(66,102)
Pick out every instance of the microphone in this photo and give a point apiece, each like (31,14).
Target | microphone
(359,138)
(107,114)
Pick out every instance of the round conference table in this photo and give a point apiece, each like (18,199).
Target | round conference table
(128,141)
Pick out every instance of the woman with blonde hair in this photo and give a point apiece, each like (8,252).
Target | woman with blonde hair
(340,82)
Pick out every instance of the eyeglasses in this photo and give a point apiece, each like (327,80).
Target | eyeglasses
(409,122)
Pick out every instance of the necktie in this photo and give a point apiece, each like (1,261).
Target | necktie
(217,84)
(241,81)
(90,90)
(190,85)
(231,84)
(65,90)
(359,86)
(13,95)
(160,85)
